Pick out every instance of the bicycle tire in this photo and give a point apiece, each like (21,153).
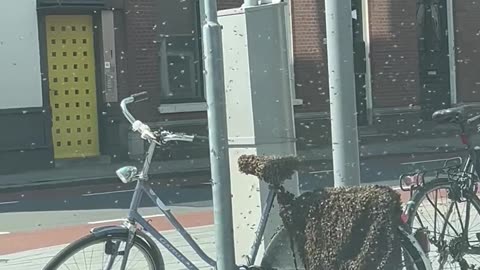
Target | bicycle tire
(421,192)
(420,259)
(57,261)
(279,255)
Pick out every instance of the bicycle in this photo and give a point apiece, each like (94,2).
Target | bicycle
(456,183)
(119,241)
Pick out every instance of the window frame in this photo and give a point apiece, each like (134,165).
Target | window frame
(196,68)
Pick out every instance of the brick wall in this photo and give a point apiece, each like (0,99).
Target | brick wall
(467,40)
(310,54)
(142,22)
(143,62)
(394,53)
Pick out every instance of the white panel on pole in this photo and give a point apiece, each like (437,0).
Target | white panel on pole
(259,106)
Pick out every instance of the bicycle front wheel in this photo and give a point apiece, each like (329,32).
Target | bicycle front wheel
(106,252)
(452,226)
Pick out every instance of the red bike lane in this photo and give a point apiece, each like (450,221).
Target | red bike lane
(23,241)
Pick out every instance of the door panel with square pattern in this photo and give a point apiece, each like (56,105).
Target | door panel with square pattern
(73,95)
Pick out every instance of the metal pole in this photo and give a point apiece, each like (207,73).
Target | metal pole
(217,131)
(250,3)
(342,93)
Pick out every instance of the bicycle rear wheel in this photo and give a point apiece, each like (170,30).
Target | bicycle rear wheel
(452,227)
(106,252)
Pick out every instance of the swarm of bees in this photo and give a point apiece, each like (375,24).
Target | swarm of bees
(352,228)
(273,170)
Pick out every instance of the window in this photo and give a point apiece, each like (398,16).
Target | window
(180,58)
(180,68)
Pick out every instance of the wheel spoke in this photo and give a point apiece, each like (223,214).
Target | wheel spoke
(452,234)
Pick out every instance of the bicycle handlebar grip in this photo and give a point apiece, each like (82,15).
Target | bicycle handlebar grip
(473,119)
(141,96)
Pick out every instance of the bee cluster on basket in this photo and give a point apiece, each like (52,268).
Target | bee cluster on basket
(336,228)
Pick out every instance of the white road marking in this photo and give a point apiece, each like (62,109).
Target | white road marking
(122,219)
(424,161)
(325,171)
(108,192)
(10,202)
(376,135)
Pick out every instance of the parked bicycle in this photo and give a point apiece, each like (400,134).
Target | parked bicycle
(454,189)
(119,246)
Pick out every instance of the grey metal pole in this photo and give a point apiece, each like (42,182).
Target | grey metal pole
(250,3)
(341,80)
(217,131)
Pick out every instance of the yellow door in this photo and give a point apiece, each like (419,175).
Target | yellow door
(71,75)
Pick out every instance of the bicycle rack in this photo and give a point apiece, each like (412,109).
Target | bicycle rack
(412,180)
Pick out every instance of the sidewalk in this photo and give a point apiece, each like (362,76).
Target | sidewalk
(36,259)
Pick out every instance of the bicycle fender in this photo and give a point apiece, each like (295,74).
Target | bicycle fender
(120,229)
(111,229)
(279,255)
(405,231)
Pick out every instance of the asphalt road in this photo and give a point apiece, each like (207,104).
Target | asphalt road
(36,208)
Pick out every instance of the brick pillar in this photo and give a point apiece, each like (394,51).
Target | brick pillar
(467,39)
(394,53)
(310,54)
(143,60)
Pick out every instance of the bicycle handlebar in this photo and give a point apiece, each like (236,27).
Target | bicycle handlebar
(473,119)
(167,136)
(126,113)
(144,130)
(137,97)
(141,96)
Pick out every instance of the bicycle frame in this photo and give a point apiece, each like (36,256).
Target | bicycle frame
(472,163)
(135,218)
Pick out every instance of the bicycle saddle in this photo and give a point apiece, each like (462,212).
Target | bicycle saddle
(451,115)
